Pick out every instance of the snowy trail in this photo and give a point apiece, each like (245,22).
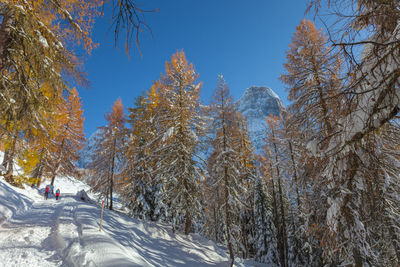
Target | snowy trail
(24,238)
(50,233)
(38,232)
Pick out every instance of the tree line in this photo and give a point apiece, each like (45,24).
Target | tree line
(316,195)
(325,190)
(41,121)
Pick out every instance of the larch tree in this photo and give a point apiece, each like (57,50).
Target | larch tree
(106,159)
(344,166)
(140,190)
(41,142)
(247,169)
(274,154)
(230,168)
(179,127)
(312,79)
(37,39)
(69,140)
(373,59)
(302,245)
(265,242)
(34,54)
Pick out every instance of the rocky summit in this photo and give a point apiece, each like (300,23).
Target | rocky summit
(257,103)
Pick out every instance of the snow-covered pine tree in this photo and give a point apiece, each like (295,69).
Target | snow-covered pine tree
(273,150)
(342,194)
(213,200)
(303,246)
(230,172)
(247,169)
(265,241)
(139,189)
(179,126)
(350,163)
(312,75)
(106,157)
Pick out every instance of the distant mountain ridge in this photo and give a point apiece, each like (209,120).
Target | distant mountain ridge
(257,103)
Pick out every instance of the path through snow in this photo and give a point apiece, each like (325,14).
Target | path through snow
(38,232)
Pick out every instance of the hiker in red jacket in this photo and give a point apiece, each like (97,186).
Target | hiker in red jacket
(57,194)
(46,192)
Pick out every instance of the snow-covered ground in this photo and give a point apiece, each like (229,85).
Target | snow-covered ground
(38,232)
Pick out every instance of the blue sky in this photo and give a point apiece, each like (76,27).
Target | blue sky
(246,41)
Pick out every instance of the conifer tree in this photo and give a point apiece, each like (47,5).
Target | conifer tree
(34,64)
(312,79)
(179,128)
(105,163)
(231,172)
(36,47)
(69,138)
(139,187)
(265,242)
(274,152)
(43,142)
(343,169)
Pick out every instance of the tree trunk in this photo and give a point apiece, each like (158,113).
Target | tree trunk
(280,246)
(5,159)
(188,223)
(53,178)
(325,119)
(10,161)
(55,170)
(112,173)
(37,173)
(284,231)
(392,232)
(282,210)
(39,181)
(216,224)
(358,261)
(295,175)
(5,38)
(228,217)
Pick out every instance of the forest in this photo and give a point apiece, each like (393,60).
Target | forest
(325,191)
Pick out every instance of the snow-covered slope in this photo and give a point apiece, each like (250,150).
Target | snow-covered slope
(257,103)
(38,232)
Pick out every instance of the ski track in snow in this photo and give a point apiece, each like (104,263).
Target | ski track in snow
(38,232)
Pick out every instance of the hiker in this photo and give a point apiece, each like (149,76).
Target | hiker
(57,193)
(46,192)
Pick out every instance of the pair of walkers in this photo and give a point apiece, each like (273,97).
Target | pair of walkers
(47,191)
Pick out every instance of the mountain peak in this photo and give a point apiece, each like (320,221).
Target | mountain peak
(257,103)
(259,91)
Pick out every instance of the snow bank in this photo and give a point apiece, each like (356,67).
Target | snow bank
(82,195)
(38,232)
(11,202)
